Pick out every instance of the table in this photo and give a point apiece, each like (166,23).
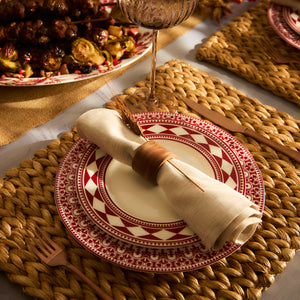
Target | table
(286,285)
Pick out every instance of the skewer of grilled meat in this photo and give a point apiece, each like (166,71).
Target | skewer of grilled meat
(37,31)
(41,31)
(29,9)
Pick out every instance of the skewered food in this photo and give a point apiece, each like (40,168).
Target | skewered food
(61,43)
(37,31)
(30,9)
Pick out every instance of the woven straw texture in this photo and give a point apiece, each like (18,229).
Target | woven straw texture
(235,48)
(26,196)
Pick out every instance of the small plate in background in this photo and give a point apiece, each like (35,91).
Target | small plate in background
(292,18)
(280,26)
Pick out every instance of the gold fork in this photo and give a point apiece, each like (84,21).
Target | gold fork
(273,53)
(52,255)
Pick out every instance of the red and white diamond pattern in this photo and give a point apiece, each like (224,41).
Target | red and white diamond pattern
(295,21)
(126,254)
(109,219)
(121,223)
(224,162)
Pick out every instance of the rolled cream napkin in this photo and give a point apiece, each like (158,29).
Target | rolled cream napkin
(217,214)
(295,4)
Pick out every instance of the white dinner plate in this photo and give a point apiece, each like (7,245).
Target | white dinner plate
(120,217)
(277,21)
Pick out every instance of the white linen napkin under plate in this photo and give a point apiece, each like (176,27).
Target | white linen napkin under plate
(217,214)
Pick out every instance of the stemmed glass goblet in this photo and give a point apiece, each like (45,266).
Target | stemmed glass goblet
(156,15)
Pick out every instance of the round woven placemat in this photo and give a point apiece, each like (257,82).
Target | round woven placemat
(26,196)
(235,48)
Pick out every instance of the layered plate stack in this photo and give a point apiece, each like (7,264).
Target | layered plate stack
(286,22)
(119,216)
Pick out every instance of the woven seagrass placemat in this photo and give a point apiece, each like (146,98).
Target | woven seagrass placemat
(26,195)
(235,48)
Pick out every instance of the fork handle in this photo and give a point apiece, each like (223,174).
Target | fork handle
(95,287)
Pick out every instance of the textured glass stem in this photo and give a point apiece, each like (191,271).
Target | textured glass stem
(153,66)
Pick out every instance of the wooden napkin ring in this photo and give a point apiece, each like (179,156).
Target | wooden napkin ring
(149,158)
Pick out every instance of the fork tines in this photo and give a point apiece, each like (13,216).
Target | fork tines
(39,242)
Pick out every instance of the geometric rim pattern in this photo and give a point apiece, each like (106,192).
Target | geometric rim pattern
(135,257)
(102,210)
